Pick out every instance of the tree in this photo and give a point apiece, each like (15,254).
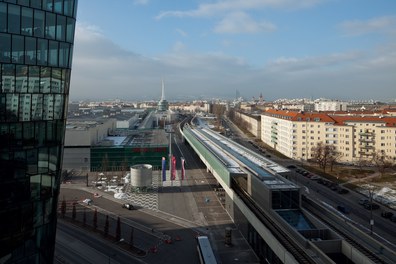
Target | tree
(118,230)
(95,219)
(325,155)
(63,208)
(361,162)
(105,167)
(74,212)
(84,217)
(131,238)
(106,227)
(334,156)
(382,162)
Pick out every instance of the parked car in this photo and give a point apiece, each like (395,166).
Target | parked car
(343,209)
(291,167)
(315,178)
(386,214)
(371,206)
(363,201)
(87,201)
(343,191)
(128,206)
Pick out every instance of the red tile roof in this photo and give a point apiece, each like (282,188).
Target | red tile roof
(336,119)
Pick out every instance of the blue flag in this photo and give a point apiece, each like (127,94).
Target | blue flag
(163,169)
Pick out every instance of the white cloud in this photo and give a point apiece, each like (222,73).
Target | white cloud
(181,32)
(240,22)
(327,62)
(385,24)
(225,6)
(103,70)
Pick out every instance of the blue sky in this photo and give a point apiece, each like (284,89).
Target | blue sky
(340,49)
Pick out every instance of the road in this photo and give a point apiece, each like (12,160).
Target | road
(76,245)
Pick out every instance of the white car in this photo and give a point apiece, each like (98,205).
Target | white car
(87,201)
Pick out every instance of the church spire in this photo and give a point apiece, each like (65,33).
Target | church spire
(163,91)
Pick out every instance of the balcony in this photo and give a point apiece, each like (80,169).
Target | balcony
(366,146)
(371,139)
(366,133)
(363,153)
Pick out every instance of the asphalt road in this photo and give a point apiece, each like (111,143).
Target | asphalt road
(76,245)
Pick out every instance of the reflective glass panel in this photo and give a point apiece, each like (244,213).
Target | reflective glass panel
(42,51)
(50,25)
(30,49)
(5,47)
(61,28)
(27,21)
(18,49)
(14,23)
(38,23)
(3,17)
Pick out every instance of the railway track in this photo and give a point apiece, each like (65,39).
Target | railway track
(310,205)
(294,248)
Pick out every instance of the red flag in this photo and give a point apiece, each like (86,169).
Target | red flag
(173,172)
(182,169)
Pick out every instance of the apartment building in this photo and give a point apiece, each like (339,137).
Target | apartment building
(253,123)
(294,134)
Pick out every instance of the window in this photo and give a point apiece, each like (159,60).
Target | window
(27,21)
(5,47)
(38,23)
(50,25)
(14,23)
(3,17)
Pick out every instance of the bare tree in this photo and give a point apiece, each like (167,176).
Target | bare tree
(118,229)
(382,162)
(63,208)
(95,219)
(325,155)
(106,226)
(362,162)
(334,156)
(105,167)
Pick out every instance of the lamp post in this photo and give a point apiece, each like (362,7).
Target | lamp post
(371,192)
(114,254)
(170,132)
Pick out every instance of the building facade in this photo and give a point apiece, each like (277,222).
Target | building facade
(356,137)
(36,44)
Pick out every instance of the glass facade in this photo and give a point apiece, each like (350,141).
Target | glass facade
(36,46)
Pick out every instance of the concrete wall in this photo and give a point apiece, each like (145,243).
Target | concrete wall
(76,158)
(254,122)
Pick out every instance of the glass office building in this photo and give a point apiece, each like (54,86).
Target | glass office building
(36,46)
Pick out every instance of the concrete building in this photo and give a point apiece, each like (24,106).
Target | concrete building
(294,134)
(331,106)
(253,122)
(80,136)
(36,47)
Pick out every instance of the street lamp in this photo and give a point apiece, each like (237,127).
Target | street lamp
(114,254)
(371,192)
(170,132)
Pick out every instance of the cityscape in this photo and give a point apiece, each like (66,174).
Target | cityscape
(206,132)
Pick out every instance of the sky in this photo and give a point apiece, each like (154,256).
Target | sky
(205,49)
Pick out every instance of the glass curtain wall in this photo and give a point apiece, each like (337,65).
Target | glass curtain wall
(36,43)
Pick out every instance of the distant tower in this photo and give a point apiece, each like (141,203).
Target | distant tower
(261,98)
(237,95)
(163,104)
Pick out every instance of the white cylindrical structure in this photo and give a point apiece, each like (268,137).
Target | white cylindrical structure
(141,175)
